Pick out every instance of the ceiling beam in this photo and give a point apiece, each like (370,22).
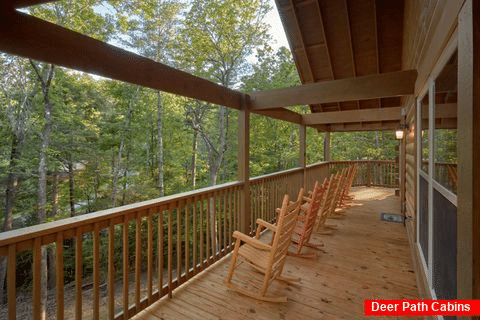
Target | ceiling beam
(30,37)
(373,126)
(281,114)
(362,115)
(368,87)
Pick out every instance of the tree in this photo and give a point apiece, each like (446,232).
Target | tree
(71,15)
(150,25)
(218,38)
(16,93)
(274,143)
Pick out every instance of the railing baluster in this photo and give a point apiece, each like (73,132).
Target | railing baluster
(126,267)
(195,230)
(201,233)
(59,277)
(187,240)
(11,283)
(179,243)
(78,273)
(209,229)
(231,195)
(96,272)
(225,209)
(150,258)
(37,277)
(138,259)
(170,251)
(218,220)
(111,271)
(160,252)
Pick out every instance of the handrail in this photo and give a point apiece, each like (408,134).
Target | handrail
(275,174)
(90,218)
(384,173)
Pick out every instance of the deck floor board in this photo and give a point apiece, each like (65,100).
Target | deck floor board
(364,258)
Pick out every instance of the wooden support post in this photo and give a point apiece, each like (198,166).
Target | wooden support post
(468,210)
(402,164)
(243,164)
(303,153)
(326,147)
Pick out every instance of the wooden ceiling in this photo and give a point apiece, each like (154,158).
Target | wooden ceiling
(339,39)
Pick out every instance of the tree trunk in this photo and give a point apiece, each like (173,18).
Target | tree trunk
(125,175)
(194,159)
(53,213)
(71,188)
(51,249)
(161,187)
(216,155)
(216,159)
(116,164)
(10,195)
(42,177)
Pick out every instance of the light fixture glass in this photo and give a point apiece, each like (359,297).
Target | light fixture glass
(399,134)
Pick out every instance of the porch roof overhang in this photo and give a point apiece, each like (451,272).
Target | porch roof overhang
(360,40)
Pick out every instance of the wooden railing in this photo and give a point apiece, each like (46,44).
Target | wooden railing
(383,173)
(266,193)
(148,249)
(445,174)
(126,258)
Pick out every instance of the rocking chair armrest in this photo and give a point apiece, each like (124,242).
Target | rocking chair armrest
(267,225)
(307,199)
(251,241)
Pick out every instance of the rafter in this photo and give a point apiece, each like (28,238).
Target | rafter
(347,116)
(368,87)
(349,30)
(329,58)
(302,40)
(27,36)
(377,49)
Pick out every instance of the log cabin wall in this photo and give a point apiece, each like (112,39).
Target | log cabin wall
(430,30)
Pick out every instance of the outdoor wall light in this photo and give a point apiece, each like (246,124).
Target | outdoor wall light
(399,134)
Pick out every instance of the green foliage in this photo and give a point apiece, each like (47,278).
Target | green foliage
(363,145)
(219,36)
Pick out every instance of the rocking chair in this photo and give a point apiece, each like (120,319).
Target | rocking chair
(269,259)
(306,222)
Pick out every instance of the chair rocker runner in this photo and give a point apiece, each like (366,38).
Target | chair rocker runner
(269,259)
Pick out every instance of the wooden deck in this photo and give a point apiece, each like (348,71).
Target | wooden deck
(364,258)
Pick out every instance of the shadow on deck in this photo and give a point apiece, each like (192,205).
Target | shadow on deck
(365,258)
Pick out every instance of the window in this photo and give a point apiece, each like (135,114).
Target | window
(445,138)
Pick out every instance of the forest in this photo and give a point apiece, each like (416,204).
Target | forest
(75,143)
